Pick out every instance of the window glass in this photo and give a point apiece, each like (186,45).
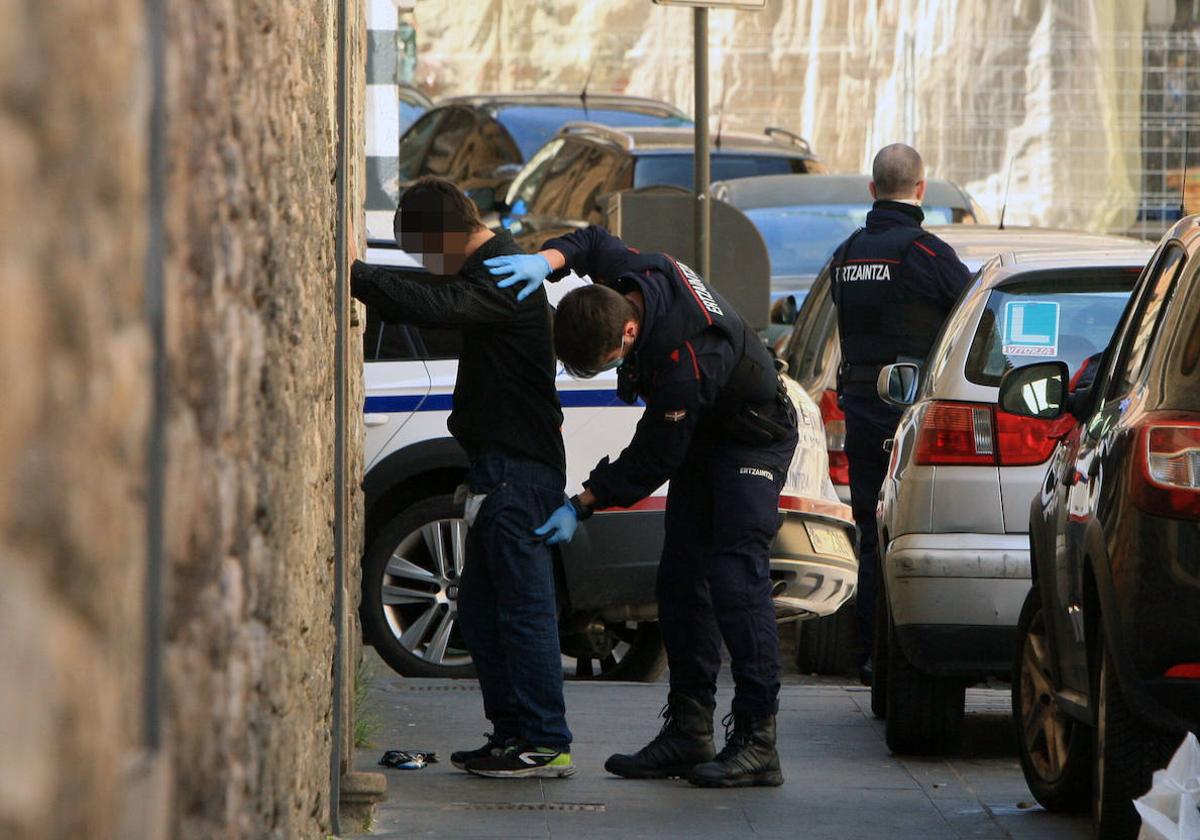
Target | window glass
(532,126)
(520,197)
(448,142)
(1052,316)
(677,169)
(561,175)
(488,148)
(1142,330)
(800,239)
(404,343)
(597,177)
(413,143)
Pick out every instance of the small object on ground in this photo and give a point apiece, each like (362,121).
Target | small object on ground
(866,673)
(408,759)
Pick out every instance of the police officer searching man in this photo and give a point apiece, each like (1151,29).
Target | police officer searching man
(893,284)
(719,425)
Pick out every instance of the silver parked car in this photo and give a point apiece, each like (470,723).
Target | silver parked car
(954,508)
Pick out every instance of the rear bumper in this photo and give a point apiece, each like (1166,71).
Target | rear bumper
(813,564)
(959,650)
(955,599)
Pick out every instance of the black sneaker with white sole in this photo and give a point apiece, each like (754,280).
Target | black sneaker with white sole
(522,761)
(495,744)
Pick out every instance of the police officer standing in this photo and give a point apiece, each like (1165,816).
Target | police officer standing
(893,284)
(719,425)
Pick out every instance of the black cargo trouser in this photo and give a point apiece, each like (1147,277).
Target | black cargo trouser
(869,423)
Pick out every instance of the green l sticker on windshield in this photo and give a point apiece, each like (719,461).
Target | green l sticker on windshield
(1031,328)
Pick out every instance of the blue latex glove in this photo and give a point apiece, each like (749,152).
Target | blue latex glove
(560,526)
(530,269)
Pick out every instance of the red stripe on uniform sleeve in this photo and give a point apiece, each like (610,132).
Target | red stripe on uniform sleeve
(695,364)
(926,249)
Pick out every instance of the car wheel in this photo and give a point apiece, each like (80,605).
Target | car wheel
(1126,754)
(826,645)
(924,712)
(409,606)
(1054,748)
(410,588)
(628,651)
(879,656)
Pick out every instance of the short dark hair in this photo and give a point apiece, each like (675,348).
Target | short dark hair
(435,205)
(588,326)
(896,171)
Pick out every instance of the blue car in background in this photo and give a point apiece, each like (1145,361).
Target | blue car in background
(802,219)
(481,142)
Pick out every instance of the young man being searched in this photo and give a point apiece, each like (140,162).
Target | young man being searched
(508,419)
(719,425)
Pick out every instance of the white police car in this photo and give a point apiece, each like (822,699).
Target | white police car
(415,537)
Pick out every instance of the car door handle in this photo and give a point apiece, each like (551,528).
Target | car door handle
(372,420)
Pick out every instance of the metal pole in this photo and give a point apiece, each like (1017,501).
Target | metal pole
(702,217)
(340,309)
(154,296)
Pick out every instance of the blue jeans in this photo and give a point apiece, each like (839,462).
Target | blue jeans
(506,604)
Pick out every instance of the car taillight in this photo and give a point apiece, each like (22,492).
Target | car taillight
(835,437)
(1023,441)
(1167,480)
(1186,671)
(966,434)
(954,433)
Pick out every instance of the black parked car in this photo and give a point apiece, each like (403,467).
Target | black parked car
(481,142)
(566,184)
(1107,675)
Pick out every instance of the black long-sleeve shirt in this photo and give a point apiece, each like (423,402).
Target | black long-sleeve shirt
(505,395)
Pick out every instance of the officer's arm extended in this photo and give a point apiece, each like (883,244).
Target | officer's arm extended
(930,257)
(658,447)
(592,251)
(411,297)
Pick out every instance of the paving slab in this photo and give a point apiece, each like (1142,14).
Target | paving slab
(841,781)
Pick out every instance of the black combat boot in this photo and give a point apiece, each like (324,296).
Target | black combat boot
(685,740)
(749,758)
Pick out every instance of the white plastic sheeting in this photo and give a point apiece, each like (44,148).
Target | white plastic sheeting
(1054,86)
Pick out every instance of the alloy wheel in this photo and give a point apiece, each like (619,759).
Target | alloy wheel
(1045,728)
(420,592)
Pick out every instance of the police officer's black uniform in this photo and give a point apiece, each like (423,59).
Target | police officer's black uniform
(893,284)
(719,425)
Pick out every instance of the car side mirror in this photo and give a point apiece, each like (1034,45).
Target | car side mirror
(1038,390)
(897,384)
(784,310)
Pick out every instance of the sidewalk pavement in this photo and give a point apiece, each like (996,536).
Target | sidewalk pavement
(841,781)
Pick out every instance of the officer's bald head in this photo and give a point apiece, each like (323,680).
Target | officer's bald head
(897,172)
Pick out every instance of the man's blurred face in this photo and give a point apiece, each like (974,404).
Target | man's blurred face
(440,251)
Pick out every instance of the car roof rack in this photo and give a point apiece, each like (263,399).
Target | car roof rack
(775,132)
(606,133)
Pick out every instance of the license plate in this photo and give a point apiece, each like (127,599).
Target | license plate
(826,539)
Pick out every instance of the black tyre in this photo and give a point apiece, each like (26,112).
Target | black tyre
(879,656)
(924,712)
(1054,748)
(409,604)
(827,645)
(620,651)
(1126,754)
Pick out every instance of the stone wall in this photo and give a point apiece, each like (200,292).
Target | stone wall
(250,221)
